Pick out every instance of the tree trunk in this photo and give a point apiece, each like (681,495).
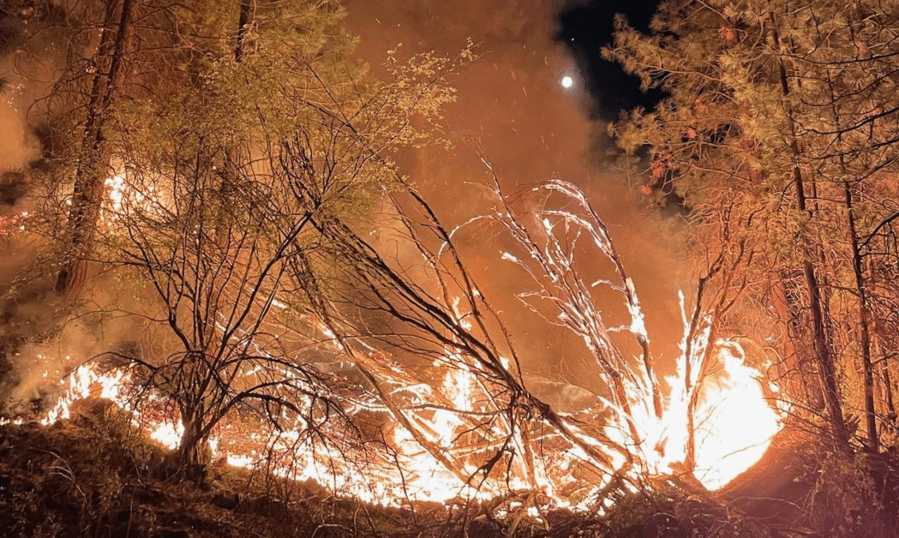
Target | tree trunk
(93,164)
(864,309)
(796,367)
(885,376)
(243,25)
(691,391)
(825,358)
(864,314)
(189,456)
(230,172)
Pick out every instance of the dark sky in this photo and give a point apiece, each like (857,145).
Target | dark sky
(584,28)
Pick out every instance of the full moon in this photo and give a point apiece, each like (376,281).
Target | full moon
(567,82)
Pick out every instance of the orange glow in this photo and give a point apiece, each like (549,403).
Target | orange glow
(434,442)
(735,423)
(734,427)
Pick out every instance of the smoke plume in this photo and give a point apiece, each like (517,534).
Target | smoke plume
(512,109)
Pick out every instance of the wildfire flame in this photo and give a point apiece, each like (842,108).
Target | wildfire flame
(735,424)
(733,420)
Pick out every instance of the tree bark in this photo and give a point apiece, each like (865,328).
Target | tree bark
(196,421)
(230,173)
(87,193)
(885,378)
(864,308)
(864,312)
(796,363)
(243,25)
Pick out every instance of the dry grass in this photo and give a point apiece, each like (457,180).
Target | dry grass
(92,476)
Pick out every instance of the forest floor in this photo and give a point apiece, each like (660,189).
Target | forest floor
(94,477)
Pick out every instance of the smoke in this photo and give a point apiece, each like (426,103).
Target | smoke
(30,57)
(512,107)
(60,348)
(20,150)
(18,146)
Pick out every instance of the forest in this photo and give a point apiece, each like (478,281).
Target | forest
(229,309)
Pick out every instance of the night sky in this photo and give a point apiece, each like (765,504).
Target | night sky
(584,29)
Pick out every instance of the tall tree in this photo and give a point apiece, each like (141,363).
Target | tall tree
(785,107)
(93,160)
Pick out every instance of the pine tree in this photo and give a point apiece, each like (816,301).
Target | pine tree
(93,159)
(781,115)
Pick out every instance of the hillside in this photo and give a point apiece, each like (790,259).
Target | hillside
(91,476)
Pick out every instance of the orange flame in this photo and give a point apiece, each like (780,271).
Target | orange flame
(734,426)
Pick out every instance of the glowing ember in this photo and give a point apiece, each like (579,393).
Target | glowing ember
(12,224)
